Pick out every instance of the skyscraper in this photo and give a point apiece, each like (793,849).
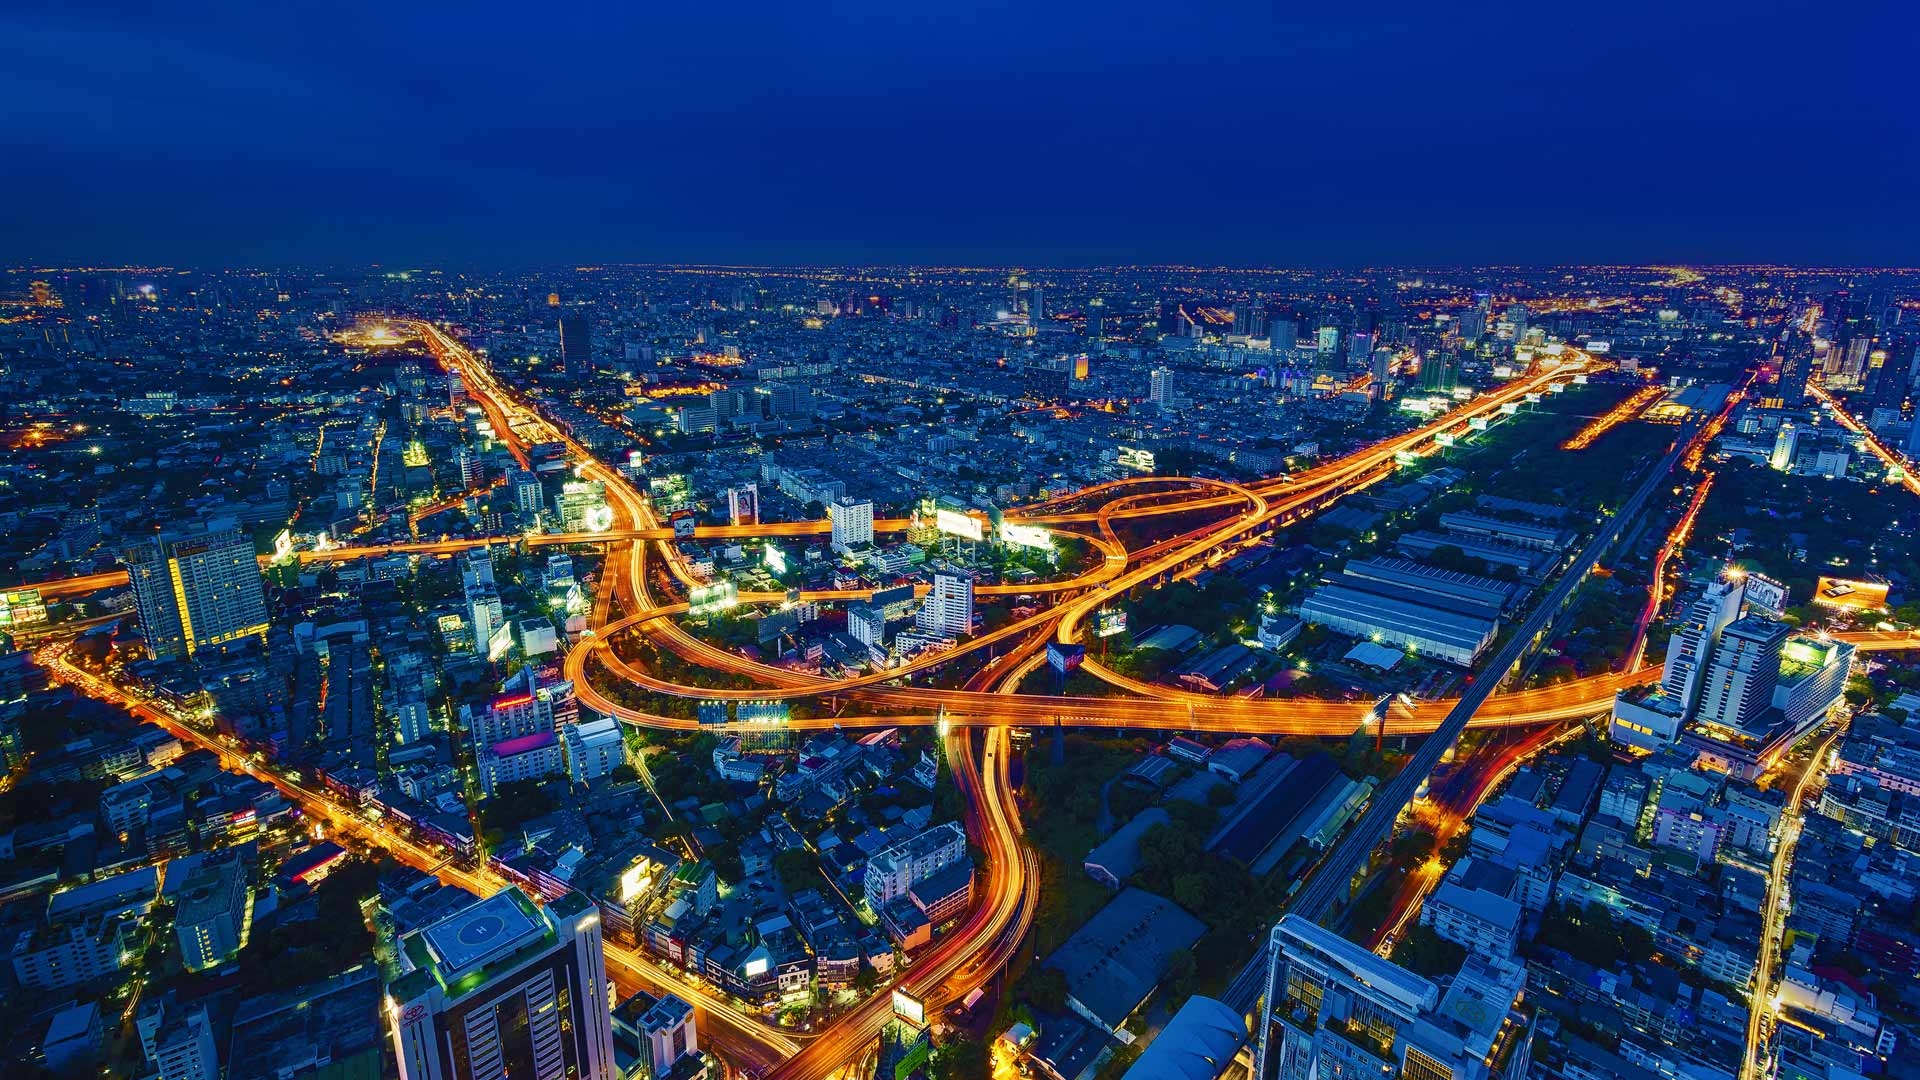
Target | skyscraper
(852,523)
(949,607)
(1690,649)
(1160,387)
(1785,442)
(197,591)
(1743,672)
(576,345)
(1334,1009)
(504,988)
(1036,304)
(1382,375)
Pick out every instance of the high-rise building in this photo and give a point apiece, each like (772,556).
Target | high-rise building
(1097,326)
(1381,381)
(1249,318)
(504,988)
(1785,443)
(528,494)
(1160,388)
(1334,1009)
(178,1044)
(948,609)
(1036,304)
(852,523)
(1742,673)
(660,1031)
(214,911)
(197,592)
(576,345)
(1283,335)
(1690,649)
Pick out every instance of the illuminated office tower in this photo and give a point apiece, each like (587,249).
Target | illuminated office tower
(1382,375)
(1691,648)
(852,523)
(1742,674)
(576,345)
(1516,319)
(1036,304)
(1334,1009)
(197,592)
(528,493)
(1784,445)
(1160,387)
(1097,327)
(502,988)
(949,607)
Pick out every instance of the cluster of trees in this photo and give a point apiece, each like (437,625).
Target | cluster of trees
(296,950)
(1593,934)
(513,804)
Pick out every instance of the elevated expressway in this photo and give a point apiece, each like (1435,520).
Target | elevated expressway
(626,605)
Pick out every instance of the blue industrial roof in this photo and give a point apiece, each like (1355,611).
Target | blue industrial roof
(1114,961)
(1197,1044)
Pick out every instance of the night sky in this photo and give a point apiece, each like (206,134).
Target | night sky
(1026,133)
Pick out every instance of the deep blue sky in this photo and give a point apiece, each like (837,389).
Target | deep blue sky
(1025,132)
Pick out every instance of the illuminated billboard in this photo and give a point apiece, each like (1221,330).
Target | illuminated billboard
(709,599)
(1444,438)
(1849,595)
(1132,457)
(1027,536)
(954,523)
(23,607)
(637,880)
(909,1008)
(1109,621)
(1767,594)
(283,547)
(1065,658)
(774,559)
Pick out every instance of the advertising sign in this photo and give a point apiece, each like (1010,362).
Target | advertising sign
(774,559)
(1027,536)
(1109,621)
(954,523)
(1132,457)
(909,1008)
(1850,595)
(1767,594)
(1065,658)
(708,599)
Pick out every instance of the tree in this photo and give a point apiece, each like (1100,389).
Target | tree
(964,1058)
(1427,953)
(1045,988)
(796,868)
(1183,974)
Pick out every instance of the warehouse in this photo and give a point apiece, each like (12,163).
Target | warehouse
(1452,631)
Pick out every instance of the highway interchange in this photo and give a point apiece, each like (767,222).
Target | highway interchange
(632,605)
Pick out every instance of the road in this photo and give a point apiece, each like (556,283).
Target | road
(743,1035)
(1909,479)
(627,607)
(1774,916)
